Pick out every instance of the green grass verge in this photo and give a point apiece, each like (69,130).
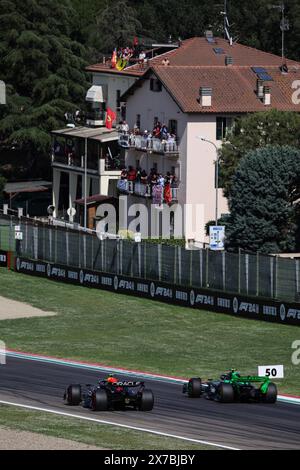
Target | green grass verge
(135,333)
(95,434)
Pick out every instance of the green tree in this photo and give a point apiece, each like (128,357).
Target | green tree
(256,131)
(44,70)
(117,25)
(264,199)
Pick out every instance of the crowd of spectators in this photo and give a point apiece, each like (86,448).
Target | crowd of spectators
(160,131)
(160,187)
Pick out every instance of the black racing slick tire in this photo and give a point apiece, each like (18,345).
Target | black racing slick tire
(99,400)
(73,395)
(147,400)
(271,395)
(194,388)
(225,393)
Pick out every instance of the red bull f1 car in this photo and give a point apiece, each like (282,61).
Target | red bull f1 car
(110,394)
(233,387)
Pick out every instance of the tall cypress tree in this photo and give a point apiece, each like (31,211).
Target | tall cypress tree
(43,68)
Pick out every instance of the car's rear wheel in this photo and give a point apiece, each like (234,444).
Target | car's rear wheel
(225,393)
(147,400)
(99,400)
(194,388)
(271,395)
(73,395)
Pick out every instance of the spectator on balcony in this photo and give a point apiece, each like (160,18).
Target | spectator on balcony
(160,180)
(131,174)
(124,174)
(124,128)
(144,177)
(167,189)
(174,181)
(142,59)
(157,130)
(164,132)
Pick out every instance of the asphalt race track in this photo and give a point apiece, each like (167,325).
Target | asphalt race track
(242,426)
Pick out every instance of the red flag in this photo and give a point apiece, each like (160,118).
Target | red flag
(114,59)
(110,118)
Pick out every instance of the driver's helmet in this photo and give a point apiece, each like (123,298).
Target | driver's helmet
(111,379)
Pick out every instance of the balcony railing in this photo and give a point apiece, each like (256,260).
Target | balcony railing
(144,190)
(75,161)
(148,144)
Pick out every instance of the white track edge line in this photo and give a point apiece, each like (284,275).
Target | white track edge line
(126,426)
(160,378)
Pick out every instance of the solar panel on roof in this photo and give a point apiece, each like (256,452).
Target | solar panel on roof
(259,70)
(265,77)
(262,74)
(219,50)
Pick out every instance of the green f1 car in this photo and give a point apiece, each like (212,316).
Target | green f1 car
(233,387)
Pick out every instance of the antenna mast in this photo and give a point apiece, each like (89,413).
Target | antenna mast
(226,24)
(284,26)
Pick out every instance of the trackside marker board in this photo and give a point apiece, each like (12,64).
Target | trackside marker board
(274,372)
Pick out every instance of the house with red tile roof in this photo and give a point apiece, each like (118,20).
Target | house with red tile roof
(197,88)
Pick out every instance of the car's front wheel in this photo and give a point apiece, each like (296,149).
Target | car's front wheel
(194,388)
(147,400)
(73,395)
(99,400)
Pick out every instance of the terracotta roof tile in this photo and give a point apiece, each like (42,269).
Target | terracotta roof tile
(233,88)
(195,64)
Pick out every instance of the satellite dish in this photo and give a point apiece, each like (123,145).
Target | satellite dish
(50,210)
(71,212)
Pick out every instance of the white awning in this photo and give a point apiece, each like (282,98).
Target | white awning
(96,94)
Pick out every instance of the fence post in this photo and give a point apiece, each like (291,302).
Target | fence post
(206,267)
(257,274)
(247,272)
(92,253)
(201,267)
(50,241)
(191,267)
(239,274)
(297,276)
(145,260)
(276,277)
(224,269)
(175,264)
(159,261)
(140,259)
(179,264)
(84,250)
(272,276)
(55,258)
(67,246)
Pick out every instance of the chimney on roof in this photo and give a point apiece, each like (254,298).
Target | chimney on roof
(205,96)
(267,96)
(228,60)
(260,89)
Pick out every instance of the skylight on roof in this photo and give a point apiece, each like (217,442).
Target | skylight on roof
(219,50)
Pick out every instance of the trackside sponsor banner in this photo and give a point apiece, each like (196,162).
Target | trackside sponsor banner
(3,258)
(237,305)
